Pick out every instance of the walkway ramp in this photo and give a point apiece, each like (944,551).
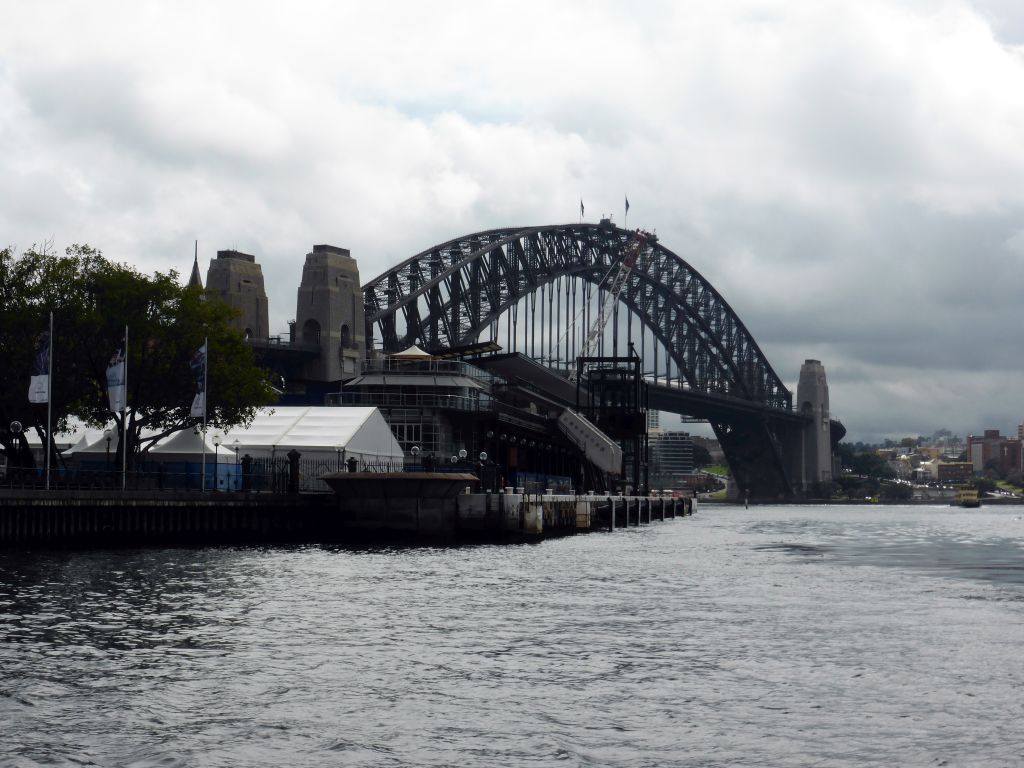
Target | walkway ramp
(599,449)
(518,369)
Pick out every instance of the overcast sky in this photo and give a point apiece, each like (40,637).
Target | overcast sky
(849,175)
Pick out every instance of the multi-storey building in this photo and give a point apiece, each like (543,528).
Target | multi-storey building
(670,458)
(994,451)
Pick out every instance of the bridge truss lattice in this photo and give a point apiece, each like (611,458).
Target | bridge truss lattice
(494,284)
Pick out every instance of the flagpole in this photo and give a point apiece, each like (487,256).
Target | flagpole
(625,219)
(206,368)
(124,418)
(49,406)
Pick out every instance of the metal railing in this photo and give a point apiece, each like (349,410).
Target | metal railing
(413,366)
(411,400)
(261,475)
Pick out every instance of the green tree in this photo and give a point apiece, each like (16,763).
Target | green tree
(701,456)
(866,462)
(93,299)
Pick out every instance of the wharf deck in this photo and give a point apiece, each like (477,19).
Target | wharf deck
(389,514)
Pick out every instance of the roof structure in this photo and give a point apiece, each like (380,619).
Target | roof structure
(195,280)
(412,352)
(318,431)
(187,442)
(315,432)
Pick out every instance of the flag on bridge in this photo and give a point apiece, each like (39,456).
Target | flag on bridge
(198,366)
(627,205)
(39,386)
(581,209)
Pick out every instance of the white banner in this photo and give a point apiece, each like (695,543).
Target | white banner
(39,386)
(199,405)
(115,384)
(38,389)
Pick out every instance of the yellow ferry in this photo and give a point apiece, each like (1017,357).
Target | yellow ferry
(966,497)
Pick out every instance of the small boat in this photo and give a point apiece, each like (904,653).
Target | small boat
(966,497)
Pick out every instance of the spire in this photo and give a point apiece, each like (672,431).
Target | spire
(195,280)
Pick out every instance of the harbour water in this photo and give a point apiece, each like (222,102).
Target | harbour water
(782,636)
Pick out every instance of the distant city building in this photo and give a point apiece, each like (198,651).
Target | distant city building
(670,459)
(993,450)
(653,421)
(952,472)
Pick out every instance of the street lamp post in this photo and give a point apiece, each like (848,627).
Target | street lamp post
(16,430)
(485,482)
(107,435)
(218,438)
(337,450)
(236,446)
(415,451)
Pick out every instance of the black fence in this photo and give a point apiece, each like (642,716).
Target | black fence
(254,475)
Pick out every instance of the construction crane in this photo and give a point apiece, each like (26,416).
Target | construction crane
(631,252)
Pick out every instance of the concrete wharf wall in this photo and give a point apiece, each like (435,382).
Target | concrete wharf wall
(96,519)
(110,518)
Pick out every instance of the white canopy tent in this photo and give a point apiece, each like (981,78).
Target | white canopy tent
(77,436)
(186,445)
(412,353)
(93,443)
(318,433)
(326,433)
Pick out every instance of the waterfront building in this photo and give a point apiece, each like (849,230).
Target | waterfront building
(443,409)
(954,472)
(993,451)
(438,406)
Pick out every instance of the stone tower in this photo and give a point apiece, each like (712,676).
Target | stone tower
(812,399)
(329,313)
(236,279)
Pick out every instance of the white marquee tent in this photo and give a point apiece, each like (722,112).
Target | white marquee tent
(318,433)
(186,445)
(326,433)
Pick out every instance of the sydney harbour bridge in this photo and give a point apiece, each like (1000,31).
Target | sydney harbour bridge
(537,290)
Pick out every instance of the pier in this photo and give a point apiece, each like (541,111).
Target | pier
(367,508)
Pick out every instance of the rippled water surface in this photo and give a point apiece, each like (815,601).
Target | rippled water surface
(785,636)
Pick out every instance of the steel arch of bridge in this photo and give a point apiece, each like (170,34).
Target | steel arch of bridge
(449,294)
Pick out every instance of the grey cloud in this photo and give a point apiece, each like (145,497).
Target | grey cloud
(852,201)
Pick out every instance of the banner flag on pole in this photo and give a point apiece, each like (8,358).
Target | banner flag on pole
(581,209)
(627,205)
(116,382)
(198,366)
(39,386)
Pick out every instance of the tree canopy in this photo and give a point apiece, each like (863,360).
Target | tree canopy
(866,463)
(701,456)
(93,299)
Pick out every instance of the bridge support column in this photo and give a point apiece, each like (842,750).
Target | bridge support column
(754,453)
(816,435)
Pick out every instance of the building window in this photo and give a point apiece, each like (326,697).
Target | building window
(346,337)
